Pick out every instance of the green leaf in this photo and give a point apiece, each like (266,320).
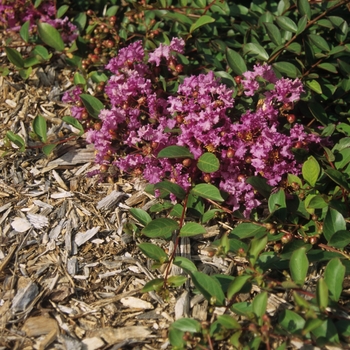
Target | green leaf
(334,276)
(340,239)
(291,321)
(274,33)
(298,265)
(24,31)
(141,215)
(286,68)
(286,24)
(236,285)
(186,264)
(228,322)
(25,73)
(40,127)
(326,332)
(79,79)
(176,281)
(50,36)
(319,42)
(155,284)
(277,204)
(333,222)
(191,229)
(187,325)
(210,214)
(175,189)
(311,171)
(246,230)
(318,112)
(328,67)
(304,8)
(302,24)
(17,140)
(162,227)
(322,294)
(175,152)
(153,252)
(42,52)
(209,287)
(344,128)
(61,11)
(201,21)
(255,248)
(92,105)
(314,85)
(47,149)
(259,304)
(74,122)
(207,191)
(311,324)
(176,338)
(208,163)
(14,57)
(259,183)
(255,50)
(174,16)
(338,177)
(236,62)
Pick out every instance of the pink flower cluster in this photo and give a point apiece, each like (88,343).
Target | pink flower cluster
(143,119)
(15,13)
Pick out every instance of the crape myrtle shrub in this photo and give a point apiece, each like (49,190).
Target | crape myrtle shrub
(237,110)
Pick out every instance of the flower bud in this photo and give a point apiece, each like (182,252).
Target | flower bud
(286,238)
(207,178)
(291,118)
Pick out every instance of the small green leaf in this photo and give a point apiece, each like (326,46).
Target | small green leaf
(175,152)
(155,284)
(277,204)
(311,171)
(79,79)
(209,287)
(274,33)
(162,227)
(153,252)
(328,67)
(260,184)
(201,21)
(338,177)
(186,264)
(24,31)
(314,85)
(40,127)
(176,338)
(326,332)
(141,215)
(92,105)
(286,24)
(291,321)
(246,230)
(236,62)
(74,122)
(187,325)
(17,140)
(319,42)
(236,285)
(47,149)
(322,294)
(333,222)
(41,52)
(311,324)
(14,57)
(302,24)
(175,189)
(259,304)
(255,248)
(208,163)
(228,322)
(61,11)
(334,276)
(340,239)
(50,36)
(176,281)
(191,229)
(255,50)
(25,73)
(304,8)
(299,265)
(207,191)
(287,69)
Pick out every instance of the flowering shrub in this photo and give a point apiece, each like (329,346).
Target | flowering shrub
(144,119)
(13,14)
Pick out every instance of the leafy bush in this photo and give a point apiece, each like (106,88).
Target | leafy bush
(191,135)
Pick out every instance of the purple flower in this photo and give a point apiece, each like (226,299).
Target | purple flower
(165,51)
